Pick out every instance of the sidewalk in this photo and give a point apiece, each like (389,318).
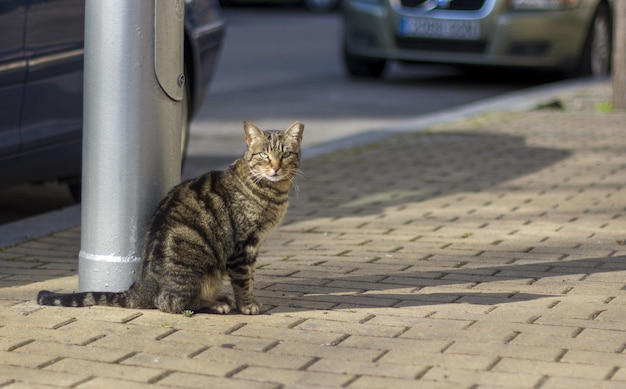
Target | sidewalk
(483,253)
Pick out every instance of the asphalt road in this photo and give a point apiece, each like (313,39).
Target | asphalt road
(282,64)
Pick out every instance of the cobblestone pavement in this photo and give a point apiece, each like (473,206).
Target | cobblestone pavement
(485,253)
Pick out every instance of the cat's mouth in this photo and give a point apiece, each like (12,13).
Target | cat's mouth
(274,177)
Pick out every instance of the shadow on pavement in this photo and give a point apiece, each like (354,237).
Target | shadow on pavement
(412,168)
(412,287)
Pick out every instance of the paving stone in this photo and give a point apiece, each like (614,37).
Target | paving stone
(580,383)
(350,328)
(377,343)
(369,382)
(258,330)
(103,382)
(294,378)
(41,376)
(102,369)
(599,345)
(252,358)
(23,385)
(456,376)
(379,368)
(188,365)
(187,380)
(50,350)
(202,340)
(552,368)
(21,359)
(595,358)
(120,342)
(423,358)
(325,351)
(501,350)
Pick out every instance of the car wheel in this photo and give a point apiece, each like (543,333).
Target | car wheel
(320,5)
(596,56)
(359,66)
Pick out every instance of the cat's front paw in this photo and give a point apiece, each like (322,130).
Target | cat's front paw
(221,308)
(252,308)
(222,305)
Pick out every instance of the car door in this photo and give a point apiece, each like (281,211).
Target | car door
(12,73)
(53,96)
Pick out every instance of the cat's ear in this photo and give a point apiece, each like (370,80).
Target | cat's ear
(252,132)
(295,131)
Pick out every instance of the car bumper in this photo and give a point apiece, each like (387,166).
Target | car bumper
(506,38)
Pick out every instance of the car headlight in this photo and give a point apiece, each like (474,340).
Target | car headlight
(543,4)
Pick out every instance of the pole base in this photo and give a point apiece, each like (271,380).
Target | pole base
(106,273)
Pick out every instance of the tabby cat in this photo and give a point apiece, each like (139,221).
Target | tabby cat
(209,227)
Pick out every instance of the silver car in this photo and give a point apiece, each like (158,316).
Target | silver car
(570,36)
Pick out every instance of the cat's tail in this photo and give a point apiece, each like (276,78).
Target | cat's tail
(86,299)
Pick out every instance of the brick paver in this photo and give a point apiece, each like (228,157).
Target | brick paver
(482,253)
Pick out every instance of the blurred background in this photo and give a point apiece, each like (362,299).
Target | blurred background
(344,71)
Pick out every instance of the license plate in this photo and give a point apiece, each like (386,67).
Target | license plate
(437,28)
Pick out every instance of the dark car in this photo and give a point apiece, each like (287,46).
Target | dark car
(41,83)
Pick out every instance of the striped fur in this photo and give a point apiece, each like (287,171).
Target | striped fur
(208,228)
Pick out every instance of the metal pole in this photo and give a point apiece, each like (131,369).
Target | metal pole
(132,123)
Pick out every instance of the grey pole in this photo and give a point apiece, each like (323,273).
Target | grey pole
(132,122)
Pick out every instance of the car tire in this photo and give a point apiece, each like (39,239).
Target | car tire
(366,67)
(596,56)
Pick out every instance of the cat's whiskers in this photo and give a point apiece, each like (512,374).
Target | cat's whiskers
(291,175)
(299,173)
(256,176)
(296,188)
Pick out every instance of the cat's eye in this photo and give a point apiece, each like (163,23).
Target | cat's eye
(287,154)
(263,155)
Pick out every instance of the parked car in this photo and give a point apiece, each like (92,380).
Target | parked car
(41,83)
(569,36)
